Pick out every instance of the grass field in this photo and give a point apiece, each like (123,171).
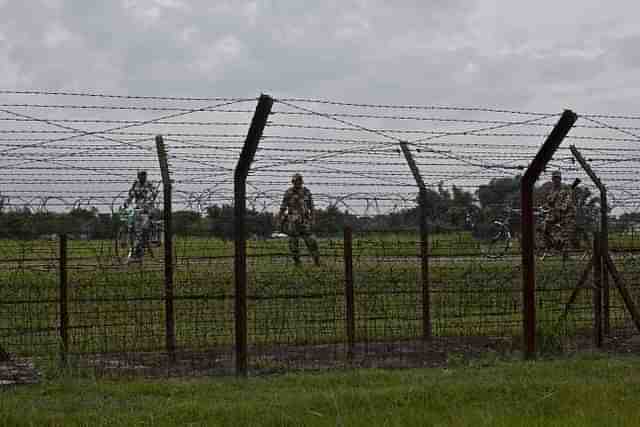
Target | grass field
(113,308)
(594,390)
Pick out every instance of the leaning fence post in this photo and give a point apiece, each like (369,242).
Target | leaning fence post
(170,327)
(604,234)
(349,292)
(249,148)
(63,302)
(527,183)
(424,243)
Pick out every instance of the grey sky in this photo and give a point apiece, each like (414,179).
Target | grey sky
(540,56)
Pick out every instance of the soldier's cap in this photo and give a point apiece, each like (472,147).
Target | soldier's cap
(556,173)
(295,177)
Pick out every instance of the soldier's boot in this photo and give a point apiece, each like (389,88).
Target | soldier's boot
(296,261)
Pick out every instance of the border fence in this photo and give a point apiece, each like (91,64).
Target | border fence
(407,198)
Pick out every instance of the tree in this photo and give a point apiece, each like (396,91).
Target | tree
(462,203)
(500,192)
(220,222)
(186,223)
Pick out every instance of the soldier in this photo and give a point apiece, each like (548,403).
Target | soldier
(560,219)
(143,195)
(296,216)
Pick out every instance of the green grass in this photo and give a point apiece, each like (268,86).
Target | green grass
(588,391)
(114,308)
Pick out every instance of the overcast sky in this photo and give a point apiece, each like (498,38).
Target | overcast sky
(541,56)
(534,55)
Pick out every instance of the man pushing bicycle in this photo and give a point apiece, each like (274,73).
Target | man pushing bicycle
(560,214)
(143,195)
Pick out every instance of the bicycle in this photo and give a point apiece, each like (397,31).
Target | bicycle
(125,240)
(503,235)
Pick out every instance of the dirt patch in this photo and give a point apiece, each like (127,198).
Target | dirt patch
(267,359)
(441,352)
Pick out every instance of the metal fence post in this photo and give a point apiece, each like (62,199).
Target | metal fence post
(597,291)
(170,327)
(63,299)
(604,235)
(258,124)
(424,243)
(424,265)
(527,183)
(349,292)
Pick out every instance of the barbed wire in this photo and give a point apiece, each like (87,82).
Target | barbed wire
(75,153)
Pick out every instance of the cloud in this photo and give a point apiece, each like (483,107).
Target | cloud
(454,52)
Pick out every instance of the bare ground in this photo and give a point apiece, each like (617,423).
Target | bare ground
(440,352)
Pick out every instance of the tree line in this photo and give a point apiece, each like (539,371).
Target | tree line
(448,209)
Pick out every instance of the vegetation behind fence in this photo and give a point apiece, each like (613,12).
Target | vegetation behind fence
(400,293)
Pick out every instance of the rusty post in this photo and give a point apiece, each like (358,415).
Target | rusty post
(604,235)
(597,291)
(63,302)
(624,292)
(424,265)
(528,181)
(424,243)
(604,249)
(574,294)
(349,292)
(169,315)
(247,154)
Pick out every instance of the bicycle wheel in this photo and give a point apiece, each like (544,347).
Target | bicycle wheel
(121,243)
(500,241)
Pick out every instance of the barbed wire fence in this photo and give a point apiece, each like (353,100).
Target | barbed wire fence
(61,152)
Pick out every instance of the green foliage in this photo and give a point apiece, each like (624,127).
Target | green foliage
(500,192)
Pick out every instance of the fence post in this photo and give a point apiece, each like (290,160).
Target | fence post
(170,327)
(597,291)
(349,292)
(63,301)
(424,243)
(604,234)
(622,288)
(527,183)
(249,148)
(604,249)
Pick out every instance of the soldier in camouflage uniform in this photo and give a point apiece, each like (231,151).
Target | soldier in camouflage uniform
(560,221)
(143,195)
(296,216)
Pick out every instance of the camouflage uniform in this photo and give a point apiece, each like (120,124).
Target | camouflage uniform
(560,223)
(143,195)
(297,213)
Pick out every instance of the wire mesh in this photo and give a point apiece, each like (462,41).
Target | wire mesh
(67,161)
